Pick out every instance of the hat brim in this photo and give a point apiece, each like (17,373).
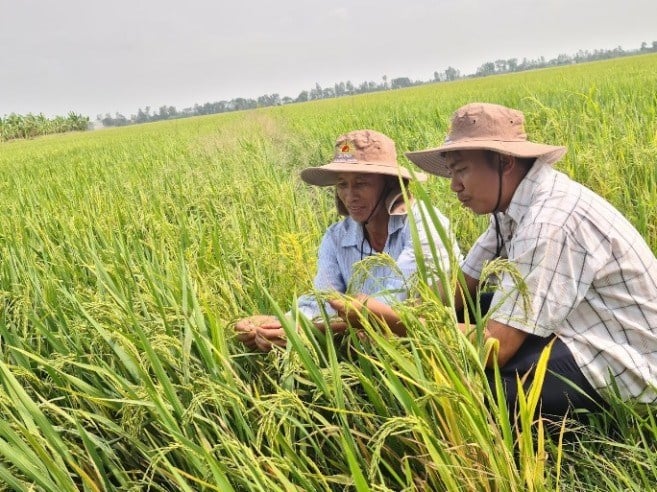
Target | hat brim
(434,160)
(327,175)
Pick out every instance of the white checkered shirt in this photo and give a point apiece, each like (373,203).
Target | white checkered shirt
(592,280)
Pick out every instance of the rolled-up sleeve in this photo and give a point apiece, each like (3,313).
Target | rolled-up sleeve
(327,278)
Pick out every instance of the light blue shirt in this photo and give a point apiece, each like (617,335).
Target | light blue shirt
(340,253)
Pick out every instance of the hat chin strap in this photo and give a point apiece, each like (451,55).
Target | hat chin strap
(378,202)
(499,240)
(383,194)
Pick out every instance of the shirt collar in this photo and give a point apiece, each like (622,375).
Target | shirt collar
(353,231)
(522,198)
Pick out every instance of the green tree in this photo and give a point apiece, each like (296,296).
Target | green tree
(486,69)
(452,73)
(400,82)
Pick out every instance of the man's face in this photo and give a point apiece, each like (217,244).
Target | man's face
(475,180)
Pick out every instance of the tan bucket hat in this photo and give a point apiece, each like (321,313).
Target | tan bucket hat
(360,151)
(484,126)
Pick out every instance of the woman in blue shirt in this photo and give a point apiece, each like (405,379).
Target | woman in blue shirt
(366,176)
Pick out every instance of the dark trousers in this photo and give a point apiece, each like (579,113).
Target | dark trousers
(564,388)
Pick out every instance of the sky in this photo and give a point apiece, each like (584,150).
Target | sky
(94,57)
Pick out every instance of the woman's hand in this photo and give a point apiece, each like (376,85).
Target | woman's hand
(269,333)
(350,309)
(261,331)
(246,328)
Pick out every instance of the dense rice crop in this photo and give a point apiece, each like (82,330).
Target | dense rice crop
(125,255)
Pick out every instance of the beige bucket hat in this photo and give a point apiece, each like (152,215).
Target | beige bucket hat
(360,151)
(484,126)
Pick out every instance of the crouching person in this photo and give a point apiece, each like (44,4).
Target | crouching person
(367,180)
(590,278)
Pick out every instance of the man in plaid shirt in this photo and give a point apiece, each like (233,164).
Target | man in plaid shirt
(591,278)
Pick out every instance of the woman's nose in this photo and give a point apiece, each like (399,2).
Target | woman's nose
(455,185)
(350,191)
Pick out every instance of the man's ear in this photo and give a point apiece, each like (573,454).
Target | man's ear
(508,163)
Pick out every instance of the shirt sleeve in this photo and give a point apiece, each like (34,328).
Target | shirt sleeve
(483,250)
(429,238)
(557,273)
(327,278)
(396,285)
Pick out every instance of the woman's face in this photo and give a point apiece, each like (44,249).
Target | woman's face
(361,194)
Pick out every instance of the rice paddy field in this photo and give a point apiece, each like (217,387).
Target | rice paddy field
(127,254)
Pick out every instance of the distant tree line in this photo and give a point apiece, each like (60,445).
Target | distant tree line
(30,125)
(348,88)
(513,65)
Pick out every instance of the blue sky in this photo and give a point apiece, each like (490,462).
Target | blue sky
(96,57)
